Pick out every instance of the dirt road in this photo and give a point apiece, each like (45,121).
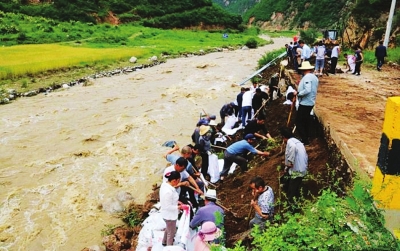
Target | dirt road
(354,108)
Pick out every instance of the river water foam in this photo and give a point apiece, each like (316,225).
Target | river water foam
(64,153)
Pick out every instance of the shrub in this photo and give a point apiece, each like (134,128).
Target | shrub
(252,43)
(329,223)
(269,56)
(132,219)
(309,36)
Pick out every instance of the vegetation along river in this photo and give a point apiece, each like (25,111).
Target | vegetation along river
(64,153)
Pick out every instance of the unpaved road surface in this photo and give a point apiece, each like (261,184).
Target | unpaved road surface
(354,107)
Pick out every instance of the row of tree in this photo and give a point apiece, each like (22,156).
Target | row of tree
(154,13)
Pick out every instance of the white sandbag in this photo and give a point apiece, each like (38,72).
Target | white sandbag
(221,166)
(157,237)
(144,238)
(173,248)
(154,222)
(213,168)
(182,234)
(230,131)
(274,95)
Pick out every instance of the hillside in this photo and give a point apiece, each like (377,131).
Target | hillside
(236,6)
(159,14)
(360,22)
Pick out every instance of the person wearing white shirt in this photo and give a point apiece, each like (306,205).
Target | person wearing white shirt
(246,106)
(170,205)
(334,57)
(305,51)
(185,179)
(320,58)
(296,164)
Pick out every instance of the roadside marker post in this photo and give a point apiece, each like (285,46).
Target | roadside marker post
(386,181)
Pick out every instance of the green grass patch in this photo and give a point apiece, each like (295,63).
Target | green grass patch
(370,59)
(33,59)
(283,33)
(330,222)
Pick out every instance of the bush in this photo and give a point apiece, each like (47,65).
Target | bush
(309,36)
(252,43)
(132,219)
(268,57)
(329,223)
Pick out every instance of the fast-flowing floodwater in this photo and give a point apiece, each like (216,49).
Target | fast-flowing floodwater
(64,153)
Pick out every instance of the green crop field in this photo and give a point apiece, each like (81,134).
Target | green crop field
(32,59)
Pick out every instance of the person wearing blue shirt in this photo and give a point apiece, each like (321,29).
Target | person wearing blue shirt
(210,212)
(306,94)
(233,154)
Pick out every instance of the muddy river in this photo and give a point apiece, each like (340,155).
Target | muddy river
(64,153)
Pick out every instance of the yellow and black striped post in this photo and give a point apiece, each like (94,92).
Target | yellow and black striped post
(386,181)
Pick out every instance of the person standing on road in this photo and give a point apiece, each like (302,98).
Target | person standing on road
(306,94)
(334,57)
(359,61)
(320,58)
(380,54)
(296,164)
(305,51)
(233,154)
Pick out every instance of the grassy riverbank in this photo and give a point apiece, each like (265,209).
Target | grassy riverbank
(38,52)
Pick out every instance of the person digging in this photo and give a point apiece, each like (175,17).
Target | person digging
(233,154)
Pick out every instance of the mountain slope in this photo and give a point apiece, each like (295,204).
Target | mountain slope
(154,13)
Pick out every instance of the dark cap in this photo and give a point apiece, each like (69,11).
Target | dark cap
(249,136)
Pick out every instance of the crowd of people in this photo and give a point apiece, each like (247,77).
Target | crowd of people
(187,180)
(325,53)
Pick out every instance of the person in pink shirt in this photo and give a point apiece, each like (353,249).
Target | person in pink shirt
(206,236)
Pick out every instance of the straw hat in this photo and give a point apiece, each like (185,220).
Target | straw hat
(204,129)
(305,65)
